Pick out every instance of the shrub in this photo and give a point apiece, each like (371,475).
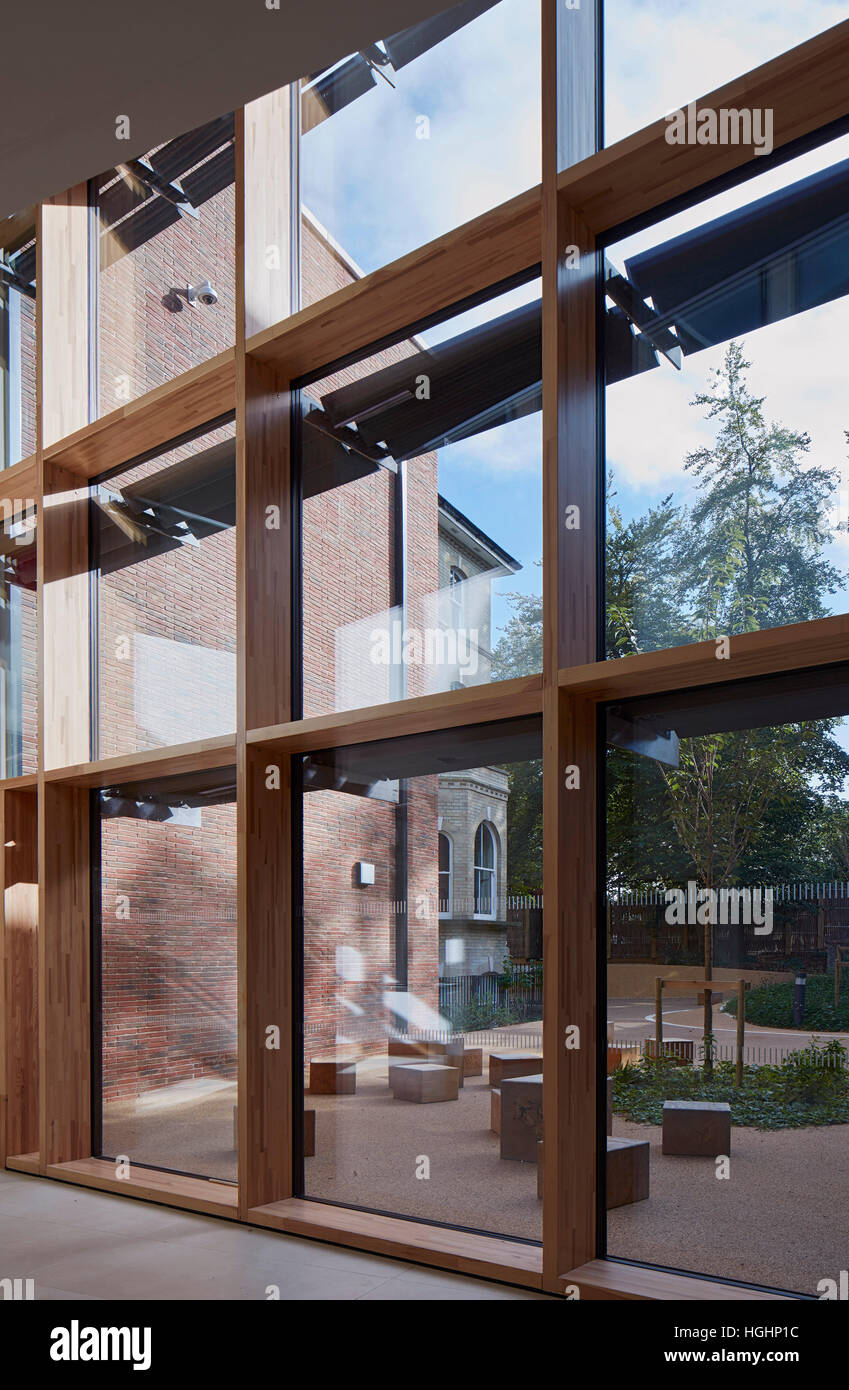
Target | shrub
(810,1087)
(771,1005)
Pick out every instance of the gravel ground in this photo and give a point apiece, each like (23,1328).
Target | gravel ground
(779,1219)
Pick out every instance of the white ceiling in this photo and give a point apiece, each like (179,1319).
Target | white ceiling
(71,67)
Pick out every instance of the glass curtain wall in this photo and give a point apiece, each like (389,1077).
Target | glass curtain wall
(727,919)
(164,886)
(18,646)
(421,517)
(726,421)
(165,263)
(422,976)
(416,134)
(164,559)
(17,340)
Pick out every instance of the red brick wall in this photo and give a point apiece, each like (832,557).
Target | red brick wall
(141,338)
(27,348)
(186,600)
(169,970)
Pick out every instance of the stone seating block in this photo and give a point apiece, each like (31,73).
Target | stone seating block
(450,1054)
(333,1077)
(495,1110)
(696,1128)
(412,1049)
(309,1133)
(473,1061)
(504,1065)
(425,1082)
(521,1117)
(627,1171)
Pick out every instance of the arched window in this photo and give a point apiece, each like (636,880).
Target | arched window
(445,867)
(486,855)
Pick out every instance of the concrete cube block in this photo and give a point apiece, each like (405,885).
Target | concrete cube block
(495,1110)
(627,1171)
(426,1082)
(696,1128)
(509,1064)
(521,1117)
(473,1061)
(309,1133)
(333,1077)
(413,1049)
(449,1053)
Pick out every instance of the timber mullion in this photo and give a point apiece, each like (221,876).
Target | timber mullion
(63,975)
(177,759)
(510,699)
(570,604)
(768,651)
(265,216)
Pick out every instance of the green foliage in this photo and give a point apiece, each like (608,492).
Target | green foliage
(519,649)
(479,1015)
(810,1087)
(771,1006)
(516,976)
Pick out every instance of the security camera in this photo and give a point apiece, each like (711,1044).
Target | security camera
(201,294)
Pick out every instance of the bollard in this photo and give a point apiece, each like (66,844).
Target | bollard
(799,999)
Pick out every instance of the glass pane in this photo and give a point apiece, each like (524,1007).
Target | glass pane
(661,54)
(415,135)
(418,463)
(414,1008)
(17,340)
(164,544)
(19,647)
(166,892)
(727,867)
(726,426)
(166,285)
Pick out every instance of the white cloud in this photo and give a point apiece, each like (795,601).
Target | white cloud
(660,54)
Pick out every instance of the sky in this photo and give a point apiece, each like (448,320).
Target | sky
(381,191)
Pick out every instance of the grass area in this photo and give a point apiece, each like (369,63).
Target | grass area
(772,1005)
(809,1087)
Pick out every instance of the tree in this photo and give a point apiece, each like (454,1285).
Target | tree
(642,608)
(753,550)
